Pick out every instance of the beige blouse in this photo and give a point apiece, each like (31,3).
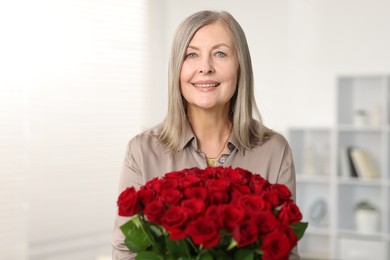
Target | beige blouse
(145,159)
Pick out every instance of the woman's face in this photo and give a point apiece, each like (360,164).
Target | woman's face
(208,76)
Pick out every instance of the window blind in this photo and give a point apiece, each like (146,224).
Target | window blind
(74,83)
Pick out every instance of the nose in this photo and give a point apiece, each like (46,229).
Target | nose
(206,66)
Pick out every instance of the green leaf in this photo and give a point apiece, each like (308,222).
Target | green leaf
(159,244)
(244,254)
(155,230)
(177,248)
(148,255)
(226,239)
(232,245)
(221,254)
(206,255)
(299,229)
(135,237)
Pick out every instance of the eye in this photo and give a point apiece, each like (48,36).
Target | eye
(220,54)
(191,55)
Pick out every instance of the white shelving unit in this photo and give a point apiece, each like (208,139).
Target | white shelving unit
(326,195)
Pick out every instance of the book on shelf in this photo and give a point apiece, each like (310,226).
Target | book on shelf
(347,168)
(357,162)
(364,163)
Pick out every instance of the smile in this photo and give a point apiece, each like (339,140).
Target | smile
(205,85)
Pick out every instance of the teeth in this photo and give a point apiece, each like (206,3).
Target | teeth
(206,85)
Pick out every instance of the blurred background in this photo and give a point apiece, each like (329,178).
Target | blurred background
(79,78)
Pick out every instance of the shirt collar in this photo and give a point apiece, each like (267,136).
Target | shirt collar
(234,141)
(188,138)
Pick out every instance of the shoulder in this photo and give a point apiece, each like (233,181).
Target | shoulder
(274,145)
(275,139)
(146,139)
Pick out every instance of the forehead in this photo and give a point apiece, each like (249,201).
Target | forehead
(215,32)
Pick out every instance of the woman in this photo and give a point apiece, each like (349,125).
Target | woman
(210,119)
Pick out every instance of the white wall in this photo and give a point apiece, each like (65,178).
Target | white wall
(298,48)
(72,93)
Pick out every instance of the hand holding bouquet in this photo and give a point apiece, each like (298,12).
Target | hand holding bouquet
(214,213)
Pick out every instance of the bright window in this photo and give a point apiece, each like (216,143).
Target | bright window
(73,81)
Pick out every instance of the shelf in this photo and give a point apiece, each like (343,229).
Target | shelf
(311,151)
(325,161)
(362,248)
(311,178)
(313,246)
(315,256)
(358,235)
(360,182)
(365,128)
(363,100)
(386,237)
(318,231)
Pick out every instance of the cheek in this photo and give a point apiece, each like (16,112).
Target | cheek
(185,73)
(233,78)
(183,82)
(233,84)
(230,72)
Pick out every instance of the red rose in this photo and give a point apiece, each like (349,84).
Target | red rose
(232,216)
(154,184)
(218,191)
(265,222)
(219,197)
(258,184)
(289,213)
(174,220)
(291,236)
(244,172)
(213,206)
(236,176)
(241,189)
(170,184)
(276,246)
(195,207)
(145,196)
(216,214)
(252,204)
(128,202)
(217,185)
(154,211)
(175,175)
(196,193)
(201,174)
(238,191)
(189,181)
(171,196)
(272,198)
(245,233)
(282,191)
(213,172)
(204,232)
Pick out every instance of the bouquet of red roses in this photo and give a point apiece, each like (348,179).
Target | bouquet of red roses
(214,213)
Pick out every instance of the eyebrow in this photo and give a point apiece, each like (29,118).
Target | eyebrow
(214,47)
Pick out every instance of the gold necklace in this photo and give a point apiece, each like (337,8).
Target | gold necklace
(212,161)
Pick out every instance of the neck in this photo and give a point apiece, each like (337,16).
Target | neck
(209,126)
(212,132)
(208,122)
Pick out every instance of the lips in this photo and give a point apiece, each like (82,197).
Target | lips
(208,84)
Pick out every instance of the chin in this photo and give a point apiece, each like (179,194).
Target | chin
(206,106)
